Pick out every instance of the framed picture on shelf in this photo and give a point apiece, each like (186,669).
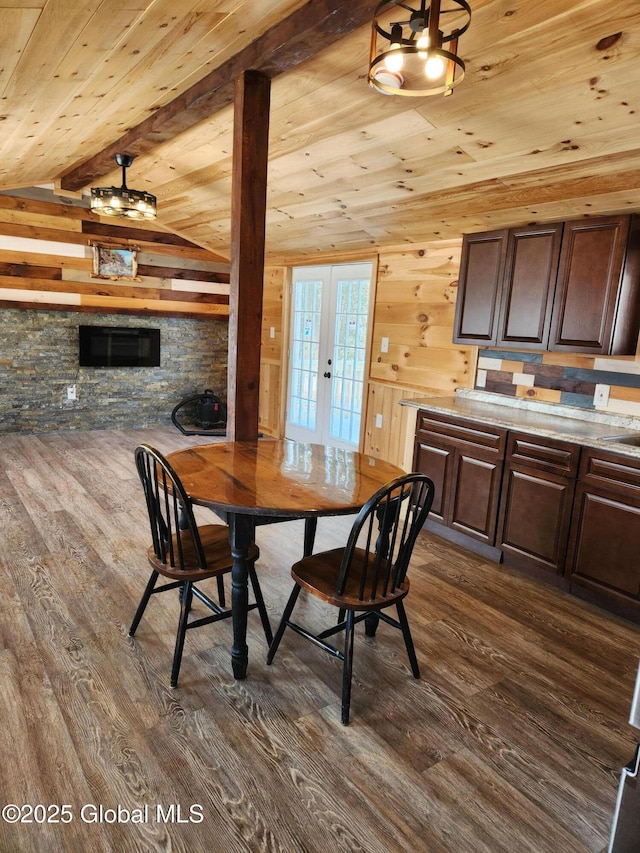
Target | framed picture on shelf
(115,262)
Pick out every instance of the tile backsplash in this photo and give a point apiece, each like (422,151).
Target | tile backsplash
(563,378)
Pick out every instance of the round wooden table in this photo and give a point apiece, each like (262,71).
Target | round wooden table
(248,483)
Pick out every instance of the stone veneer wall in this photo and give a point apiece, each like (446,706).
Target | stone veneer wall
(39,359)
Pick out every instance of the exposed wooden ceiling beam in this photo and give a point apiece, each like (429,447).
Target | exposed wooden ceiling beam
(287,44)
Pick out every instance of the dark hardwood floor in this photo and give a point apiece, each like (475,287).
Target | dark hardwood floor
(512,740)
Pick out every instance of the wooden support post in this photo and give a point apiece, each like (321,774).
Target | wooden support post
(248,209)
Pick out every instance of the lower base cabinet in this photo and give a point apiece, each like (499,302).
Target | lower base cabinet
(561,512)
(603,559)
(465,461)
(474,497)
(536,502)
(436,461)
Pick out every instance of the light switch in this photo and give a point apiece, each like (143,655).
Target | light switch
(272,331)
(379,421)
(384,345)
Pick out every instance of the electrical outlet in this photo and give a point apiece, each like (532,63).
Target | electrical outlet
(384,345)
(71,392)
(379,421)
(601,396)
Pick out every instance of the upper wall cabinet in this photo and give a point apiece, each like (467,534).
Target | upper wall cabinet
(566,286)
(528,282)
(594,291)
(479,287)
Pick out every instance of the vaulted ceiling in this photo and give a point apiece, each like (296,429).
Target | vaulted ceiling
(545,125)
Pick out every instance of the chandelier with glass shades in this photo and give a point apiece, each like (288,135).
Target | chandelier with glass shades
(412,54)
(121,201)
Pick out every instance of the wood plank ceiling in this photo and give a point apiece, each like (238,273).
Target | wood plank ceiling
(544,127)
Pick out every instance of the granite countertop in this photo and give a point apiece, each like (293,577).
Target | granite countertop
(566,423)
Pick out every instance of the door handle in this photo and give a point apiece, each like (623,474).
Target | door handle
(327,375)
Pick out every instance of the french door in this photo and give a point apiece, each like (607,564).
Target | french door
(327,352)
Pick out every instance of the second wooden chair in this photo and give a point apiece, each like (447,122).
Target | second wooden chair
(367,576)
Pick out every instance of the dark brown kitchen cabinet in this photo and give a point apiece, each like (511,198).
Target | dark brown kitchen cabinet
(565,286)
(505,289)
(465,461)
(537,497)
(528,284)
(603,558)
(479,286)
(435,460)
(594,289)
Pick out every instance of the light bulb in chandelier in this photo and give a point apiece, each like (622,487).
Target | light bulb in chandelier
(434,67)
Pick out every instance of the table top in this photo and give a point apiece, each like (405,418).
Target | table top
(280,478)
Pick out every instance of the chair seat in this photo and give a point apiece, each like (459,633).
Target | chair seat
(319,574)
(217,551)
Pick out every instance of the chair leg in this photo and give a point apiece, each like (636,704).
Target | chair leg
(221,594)
(262,610)
(186,597)
(143,602)
(273,648)
(408,641)
(347,668)
(371,623)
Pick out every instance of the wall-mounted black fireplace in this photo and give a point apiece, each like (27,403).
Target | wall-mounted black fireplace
(118,346)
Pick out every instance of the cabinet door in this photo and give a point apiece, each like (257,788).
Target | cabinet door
(535,513)
(589,277)
(478,299)
(436,462)
(604,548)
(528,286)
(475,492)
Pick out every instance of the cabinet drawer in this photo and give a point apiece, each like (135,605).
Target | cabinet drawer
(463,434)
(543,454)
(610,470)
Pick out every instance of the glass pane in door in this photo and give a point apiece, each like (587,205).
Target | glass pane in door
(349,350)
(305,349)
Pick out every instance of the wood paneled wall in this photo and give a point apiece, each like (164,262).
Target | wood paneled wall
(46,260)
(272,357)
(414,308)
(393,439)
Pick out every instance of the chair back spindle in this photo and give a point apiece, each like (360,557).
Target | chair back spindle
(383,535)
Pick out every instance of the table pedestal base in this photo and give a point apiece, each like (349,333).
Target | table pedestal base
(241,537)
